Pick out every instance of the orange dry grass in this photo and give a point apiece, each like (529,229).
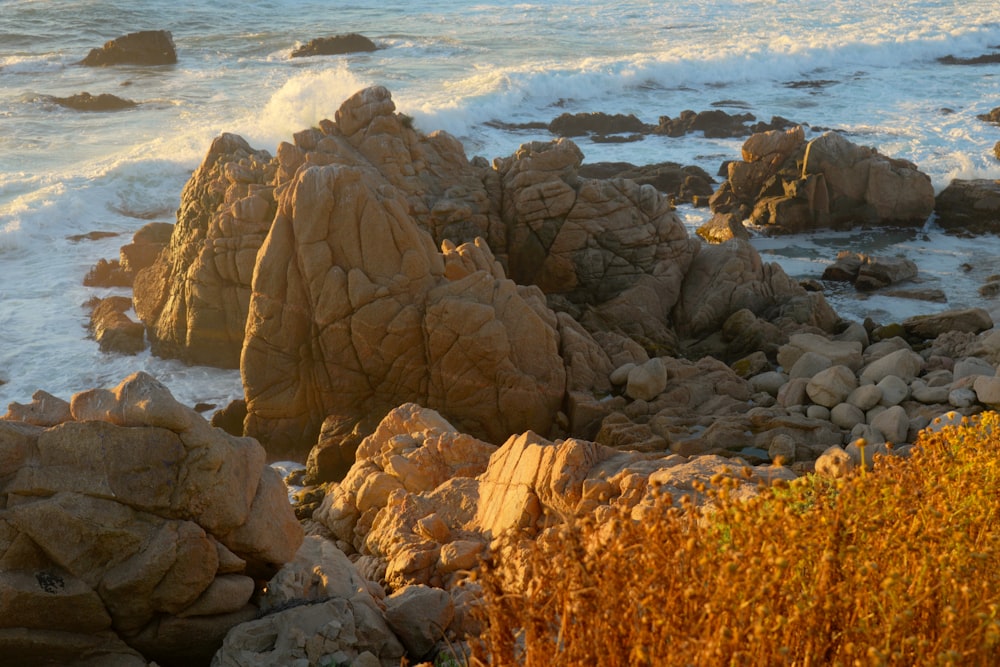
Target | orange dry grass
(896,567)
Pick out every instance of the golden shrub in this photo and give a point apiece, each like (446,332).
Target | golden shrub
(899,566)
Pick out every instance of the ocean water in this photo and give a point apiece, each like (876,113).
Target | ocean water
(872,70)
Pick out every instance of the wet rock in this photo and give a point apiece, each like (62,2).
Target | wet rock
(985,59)
(581,124)
(113,329)
(87,102)
(107,273)
(336,45)
(147,47)
(970,205)
(825,182)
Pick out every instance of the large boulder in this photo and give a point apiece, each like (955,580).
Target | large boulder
(195,298)
(134,519)
(728,278)
(970,205)
(355,310)
(785,184)
(147,47)
(318,609)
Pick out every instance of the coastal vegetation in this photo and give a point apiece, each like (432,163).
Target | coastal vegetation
(894,566)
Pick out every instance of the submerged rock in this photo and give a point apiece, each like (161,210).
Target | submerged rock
(87,102)
(336,45)
(147,47)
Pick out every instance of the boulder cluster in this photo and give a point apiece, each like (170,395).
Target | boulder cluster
(787,184)
(130,529)
(458,351)
(368,265)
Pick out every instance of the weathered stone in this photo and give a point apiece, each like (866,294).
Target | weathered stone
(832,386)
(44,410)
(420,616)
(927,327)
(865,397)
(839,352)
(894,390)
(972,366)
(904,363)
(647,381)
(809,365)
(987,390)
(847,416)
(770,382)
(892,424)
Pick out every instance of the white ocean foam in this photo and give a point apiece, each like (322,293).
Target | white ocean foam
(304,100)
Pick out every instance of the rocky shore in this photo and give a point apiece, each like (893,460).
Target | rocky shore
(454,350)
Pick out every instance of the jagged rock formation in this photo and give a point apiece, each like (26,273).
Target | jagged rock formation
(785,184)
(131,523)
(423,502)
(354,310)
(195,296)
(348,321)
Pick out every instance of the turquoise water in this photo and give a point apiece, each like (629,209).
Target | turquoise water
(452,66)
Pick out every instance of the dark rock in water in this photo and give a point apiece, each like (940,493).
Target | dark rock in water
(714,123)
(990,289)
(616,138)
(932,295)
(513,127)
(230,418)
(682,183)
(87,102)
(107,273)
(868,273)
(146,246)
(846,268)
(203,407)
(91,236)
(112,328)
(148,47)
(790,185)
(581,124)
(810,83)
(335,46)
(970,205)
(992,117)
(877,272)
(985,59)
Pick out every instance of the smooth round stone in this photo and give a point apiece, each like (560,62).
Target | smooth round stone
(894,390)
(818,412)
(847,416)
(865,397)
(962,398)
